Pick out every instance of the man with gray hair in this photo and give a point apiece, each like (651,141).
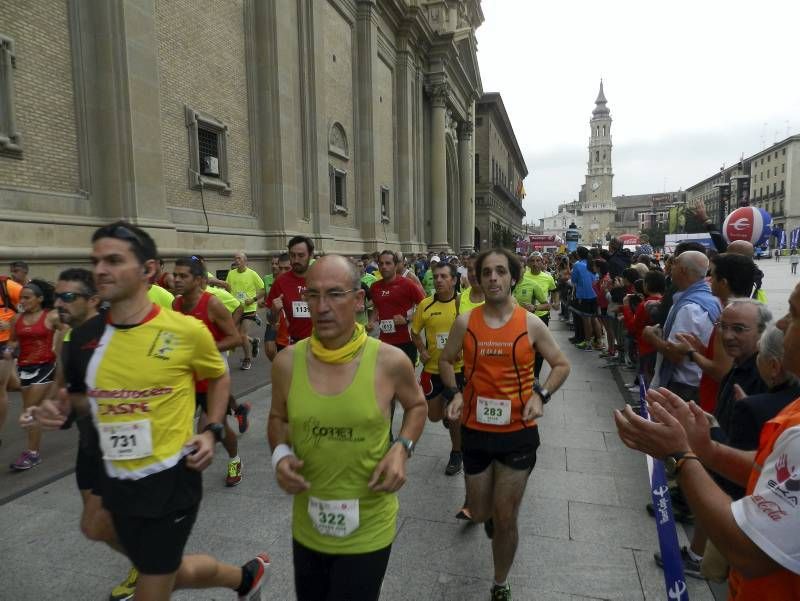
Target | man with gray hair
(248,287)
(694,311)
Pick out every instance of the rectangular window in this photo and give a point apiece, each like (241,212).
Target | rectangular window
(384,204)
(338,190)
(10,140)
(769,158)
(208,152)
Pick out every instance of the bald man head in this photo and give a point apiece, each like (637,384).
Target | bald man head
(334,295)
(690,267)
(741,247)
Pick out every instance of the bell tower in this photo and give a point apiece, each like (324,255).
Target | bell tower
(598,206)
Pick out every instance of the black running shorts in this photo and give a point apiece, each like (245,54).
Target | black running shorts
(516,450)
(155,545)
(40,373)
(89,463)
(432,384)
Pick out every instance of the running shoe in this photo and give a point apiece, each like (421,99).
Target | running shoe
(257,319)
(125,589)
(501,593)
(26,461)
(246,364)
(255,343)
(691,567)
(234,472)
(242,413)
(464,514)
(598,346)
(454,465)
(488,527)
(583,346)
(255,574)
(610,355)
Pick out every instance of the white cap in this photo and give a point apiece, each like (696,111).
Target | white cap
(435,259)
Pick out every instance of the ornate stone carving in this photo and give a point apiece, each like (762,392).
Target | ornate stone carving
(465,129)
(438,93)
(337,140)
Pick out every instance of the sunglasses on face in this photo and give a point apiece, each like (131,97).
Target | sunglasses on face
(70,297)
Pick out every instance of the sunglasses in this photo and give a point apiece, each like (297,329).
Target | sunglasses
(70,297)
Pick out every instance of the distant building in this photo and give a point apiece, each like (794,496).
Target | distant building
(499,172)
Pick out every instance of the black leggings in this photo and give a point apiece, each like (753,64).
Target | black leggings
(324,577)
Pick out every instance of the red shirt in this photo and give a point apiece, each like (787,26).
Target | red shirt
(35,341)
(291,286)
(396,297)
(709,387)
(635,322)
(200,311)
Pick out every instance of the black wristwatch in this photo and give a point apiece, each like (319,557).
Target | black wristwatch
(543,393)
(218,430)
(690,355)
(448,393)
(673,463)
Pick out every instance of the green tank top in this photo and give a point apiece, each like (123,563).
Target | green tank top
(341,438)
(465,304)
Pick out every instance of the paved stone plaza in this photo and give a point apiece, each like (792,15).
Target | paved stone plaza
(584,533)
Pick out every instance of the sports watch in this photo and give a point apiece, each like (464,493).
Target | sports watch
(218,430)
(448,393)
(543,393)
(407,443)
(673,463)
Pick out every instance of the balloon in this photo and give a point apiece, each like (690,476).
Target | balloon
(748,223)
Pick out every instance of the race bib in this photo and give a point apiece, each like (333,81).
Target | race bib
(334,518)
(241,296)
(494,412)
(387,326)
(300,310)
(441,340)
(127,440)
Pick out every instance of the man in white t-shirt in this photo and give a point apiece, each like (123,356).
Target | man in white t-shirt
(759,534)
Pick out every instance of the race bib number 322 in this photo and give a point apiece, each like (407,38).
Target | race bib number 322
(334,518)
(126,440)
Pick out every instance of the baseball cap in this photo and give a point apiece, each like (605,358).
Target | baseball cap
(435,259)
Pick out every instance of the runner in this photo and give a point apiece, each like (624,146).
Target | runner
(330,399)
(19,272)
(247,286)
(9,301)
(269,278)
(189,277)
(151,457)
(537,293)
(160,296)
(76,301)
(289,288)
(32,337)
(164,278)
(436,315)
(276,338)
(500,403)
(473,296)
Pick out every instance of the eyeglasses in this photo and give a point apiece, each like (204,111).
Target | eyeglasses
(736,328)
(70,297)
(334,296)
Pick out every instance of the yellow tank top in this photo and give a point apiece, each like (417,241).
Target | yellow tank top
(341,438)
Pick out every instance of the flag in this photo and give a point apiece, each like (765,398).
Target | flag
(782,243)
(520,190)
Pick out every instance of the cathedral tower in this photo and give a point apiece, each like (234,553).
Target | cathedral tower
(598,206)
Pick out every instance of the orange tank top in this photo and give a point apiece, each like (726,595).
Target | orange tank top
(781,584)
(498,368)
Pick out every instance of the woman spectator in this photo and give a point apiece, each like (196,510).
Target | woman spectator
(31,339)
(636,320)
(602,287)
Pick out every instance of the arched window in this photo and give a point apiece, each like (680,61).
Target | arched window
(337,141)
(604,131)
(596,156)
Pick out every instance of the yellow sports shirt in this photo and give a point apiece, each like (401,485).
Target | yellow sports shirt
(436,318)
(245,285)
(141,384)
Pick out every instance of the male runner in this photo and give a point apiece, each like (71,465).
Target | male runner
(276,337)
(140,382)
(289,288)
(538,294)
(500,403)
(248,287)
(436,315)
(189,277)
(394,297)
(331,395)
(76,301)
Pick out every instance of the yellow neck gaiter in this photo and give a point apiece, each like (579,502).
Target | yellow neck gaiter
(343,354)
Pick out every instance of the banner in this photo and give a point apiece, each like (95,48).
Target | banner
(782,239)
(674,580)
(744,191)
(794,238)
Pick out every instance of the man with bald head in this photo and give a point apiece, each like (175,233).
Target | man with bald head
(329,432)
(694,311)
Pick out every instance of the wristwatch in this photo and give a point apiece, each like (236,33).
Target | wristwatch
(673,463)
(218,430)
(408,444)
(448,393)
(543,393)
(690,355)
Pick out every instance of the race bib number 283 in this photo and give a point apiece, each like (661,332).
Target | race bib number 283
(494,412)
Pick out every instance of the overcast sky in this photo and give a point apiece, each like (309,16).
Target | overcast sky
(690,85)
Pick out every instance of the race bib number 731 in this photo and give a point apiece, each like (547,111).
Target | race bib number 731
(126,440)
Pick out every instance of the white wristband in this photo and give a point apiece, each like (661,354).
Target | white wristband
(281,451)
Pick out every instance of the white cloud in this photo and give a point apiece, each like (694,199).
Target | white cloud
(690,85)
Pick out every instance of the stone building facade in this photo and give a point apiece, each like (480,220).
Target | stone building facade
(234,124)
(499,173)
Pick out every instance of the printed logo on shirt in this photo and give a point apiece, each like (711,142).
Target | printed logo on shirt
(124,408)
(163,344)
(770,508)
(317,432)
(491,348)
(787,481)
